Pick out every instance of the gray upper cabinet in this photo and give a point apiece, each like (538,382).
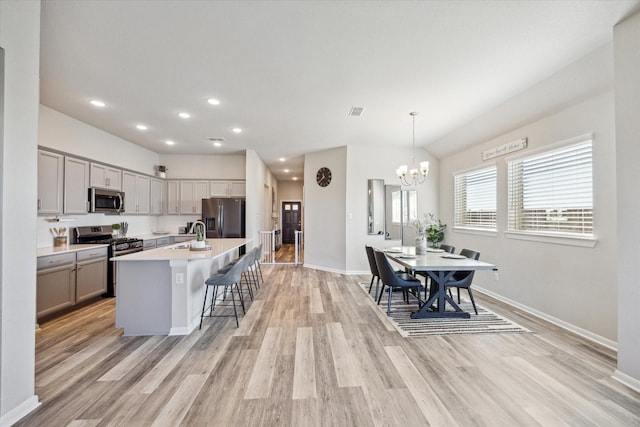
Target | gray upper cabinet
(173,199)
(104,176)
(157,196)
(191,195)
(76,183)
(136,193)
(50,182)
(227,188)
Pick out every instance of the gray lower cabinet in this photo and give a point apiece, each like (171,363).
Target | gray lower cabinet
(91,274)
(56,289)
(67,279)
(163,241)
(148,244)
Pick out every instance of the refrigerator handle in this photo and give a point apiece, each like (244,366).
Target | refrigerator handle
(220,221)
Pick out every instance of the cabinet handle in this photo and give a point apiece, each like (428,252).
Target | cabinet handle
(39,204)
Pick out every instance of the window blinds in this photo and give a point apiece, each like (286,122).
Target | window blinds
(552,191)
(475,199)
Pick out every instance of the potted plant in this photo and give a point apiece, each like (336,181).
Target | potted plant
(435,231)
(161,171)
(115,229)
(421,227)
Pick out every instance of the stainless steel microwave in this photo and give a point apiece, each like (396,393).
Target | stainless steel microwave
(106,201)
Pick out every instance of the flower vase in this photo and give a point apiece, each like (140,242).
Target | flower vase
(435,245)
(421,246)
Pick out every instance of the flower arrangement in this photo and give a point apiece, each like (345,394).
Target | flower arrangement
(430,228)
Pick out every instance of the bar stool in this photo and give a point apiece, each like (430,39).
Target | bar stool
(230,279)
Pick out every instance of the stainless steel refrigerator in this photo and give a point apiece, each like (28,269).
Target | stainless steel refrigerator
(224,217)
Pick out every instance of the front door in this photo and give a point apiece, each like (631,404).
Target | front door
(291,220)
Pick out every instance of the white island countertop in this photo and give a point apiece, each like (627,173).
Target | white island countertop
(181,251)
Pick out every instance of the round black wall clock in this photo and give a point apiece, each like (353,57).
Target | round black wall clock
(323,177)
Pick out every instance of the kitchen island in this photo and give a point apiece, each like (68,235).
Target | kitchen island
(160,291)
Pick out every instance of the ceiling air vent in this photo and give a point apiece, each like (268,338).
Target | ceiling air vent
(215,139)
(356,111)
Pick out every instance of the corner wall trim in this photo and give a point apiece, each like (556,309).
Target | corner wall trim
(627,380)
(17,413)
(561,323)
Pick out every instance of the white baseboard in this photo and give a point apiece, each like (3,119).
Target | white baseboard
(322,268)
(628,381)
(544,316)
(19,411)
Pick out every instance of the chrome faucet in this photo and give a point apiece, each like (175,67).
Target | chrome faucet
(204,228)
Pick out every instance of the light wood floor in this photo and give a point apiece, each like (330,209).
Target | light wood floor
(287,254)
(313,351)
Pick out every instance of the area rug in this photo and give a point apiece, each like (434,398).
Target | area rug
(485,322)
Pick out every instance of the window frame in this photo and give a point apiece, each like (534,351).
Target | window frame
(468,227)
(557,237)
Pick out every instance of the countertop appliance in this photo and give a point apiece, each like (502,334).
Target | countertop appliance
(106,201)
(224,217)
(118,246)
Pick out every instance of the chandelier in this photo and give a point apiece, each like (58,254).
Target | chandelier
(414,176)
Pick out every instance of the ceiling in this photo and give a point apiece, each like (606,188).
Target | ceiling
(288,72)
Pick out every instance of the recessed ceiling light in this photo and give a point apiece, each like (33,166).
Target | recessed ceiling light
(237,130)
(282,159)
(217,144)
(295,178)
(97,103)
(169,142)
(286,171)
(184,115)
(141,127)
(213,101)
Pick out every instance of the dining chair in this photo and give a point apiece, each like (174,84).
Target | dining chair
(463,279)
(394,280)
(448,248)
(373,267)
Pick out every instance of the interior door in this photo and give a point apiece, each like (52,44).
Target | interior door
(291,220)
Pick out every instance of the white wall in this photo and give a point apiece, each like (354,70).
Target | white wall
(20,38)
(627,89)
(325,213)
(64,133)
(259,178)
(364,163)
(212,166)
(568,283)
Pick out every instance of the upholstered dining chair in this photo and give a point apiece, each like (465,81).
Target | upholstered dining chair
(394,280)
(463,279)
(373,267)
(448,248)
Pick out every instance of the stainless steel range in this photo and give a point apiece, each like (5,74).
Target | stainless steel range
(118,246)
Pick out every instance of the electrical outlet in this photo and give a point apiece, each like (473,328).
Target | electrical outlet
(496,276)
(179,278)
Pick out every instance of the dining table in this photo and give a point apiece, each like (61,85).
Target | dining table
(440,266)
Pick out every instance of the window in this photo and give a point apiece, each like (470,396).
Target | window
(404,206)
(475,199)
(552,192)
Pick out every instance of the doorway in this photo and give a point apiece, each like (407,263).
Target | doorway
(291,215)
(291,221)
